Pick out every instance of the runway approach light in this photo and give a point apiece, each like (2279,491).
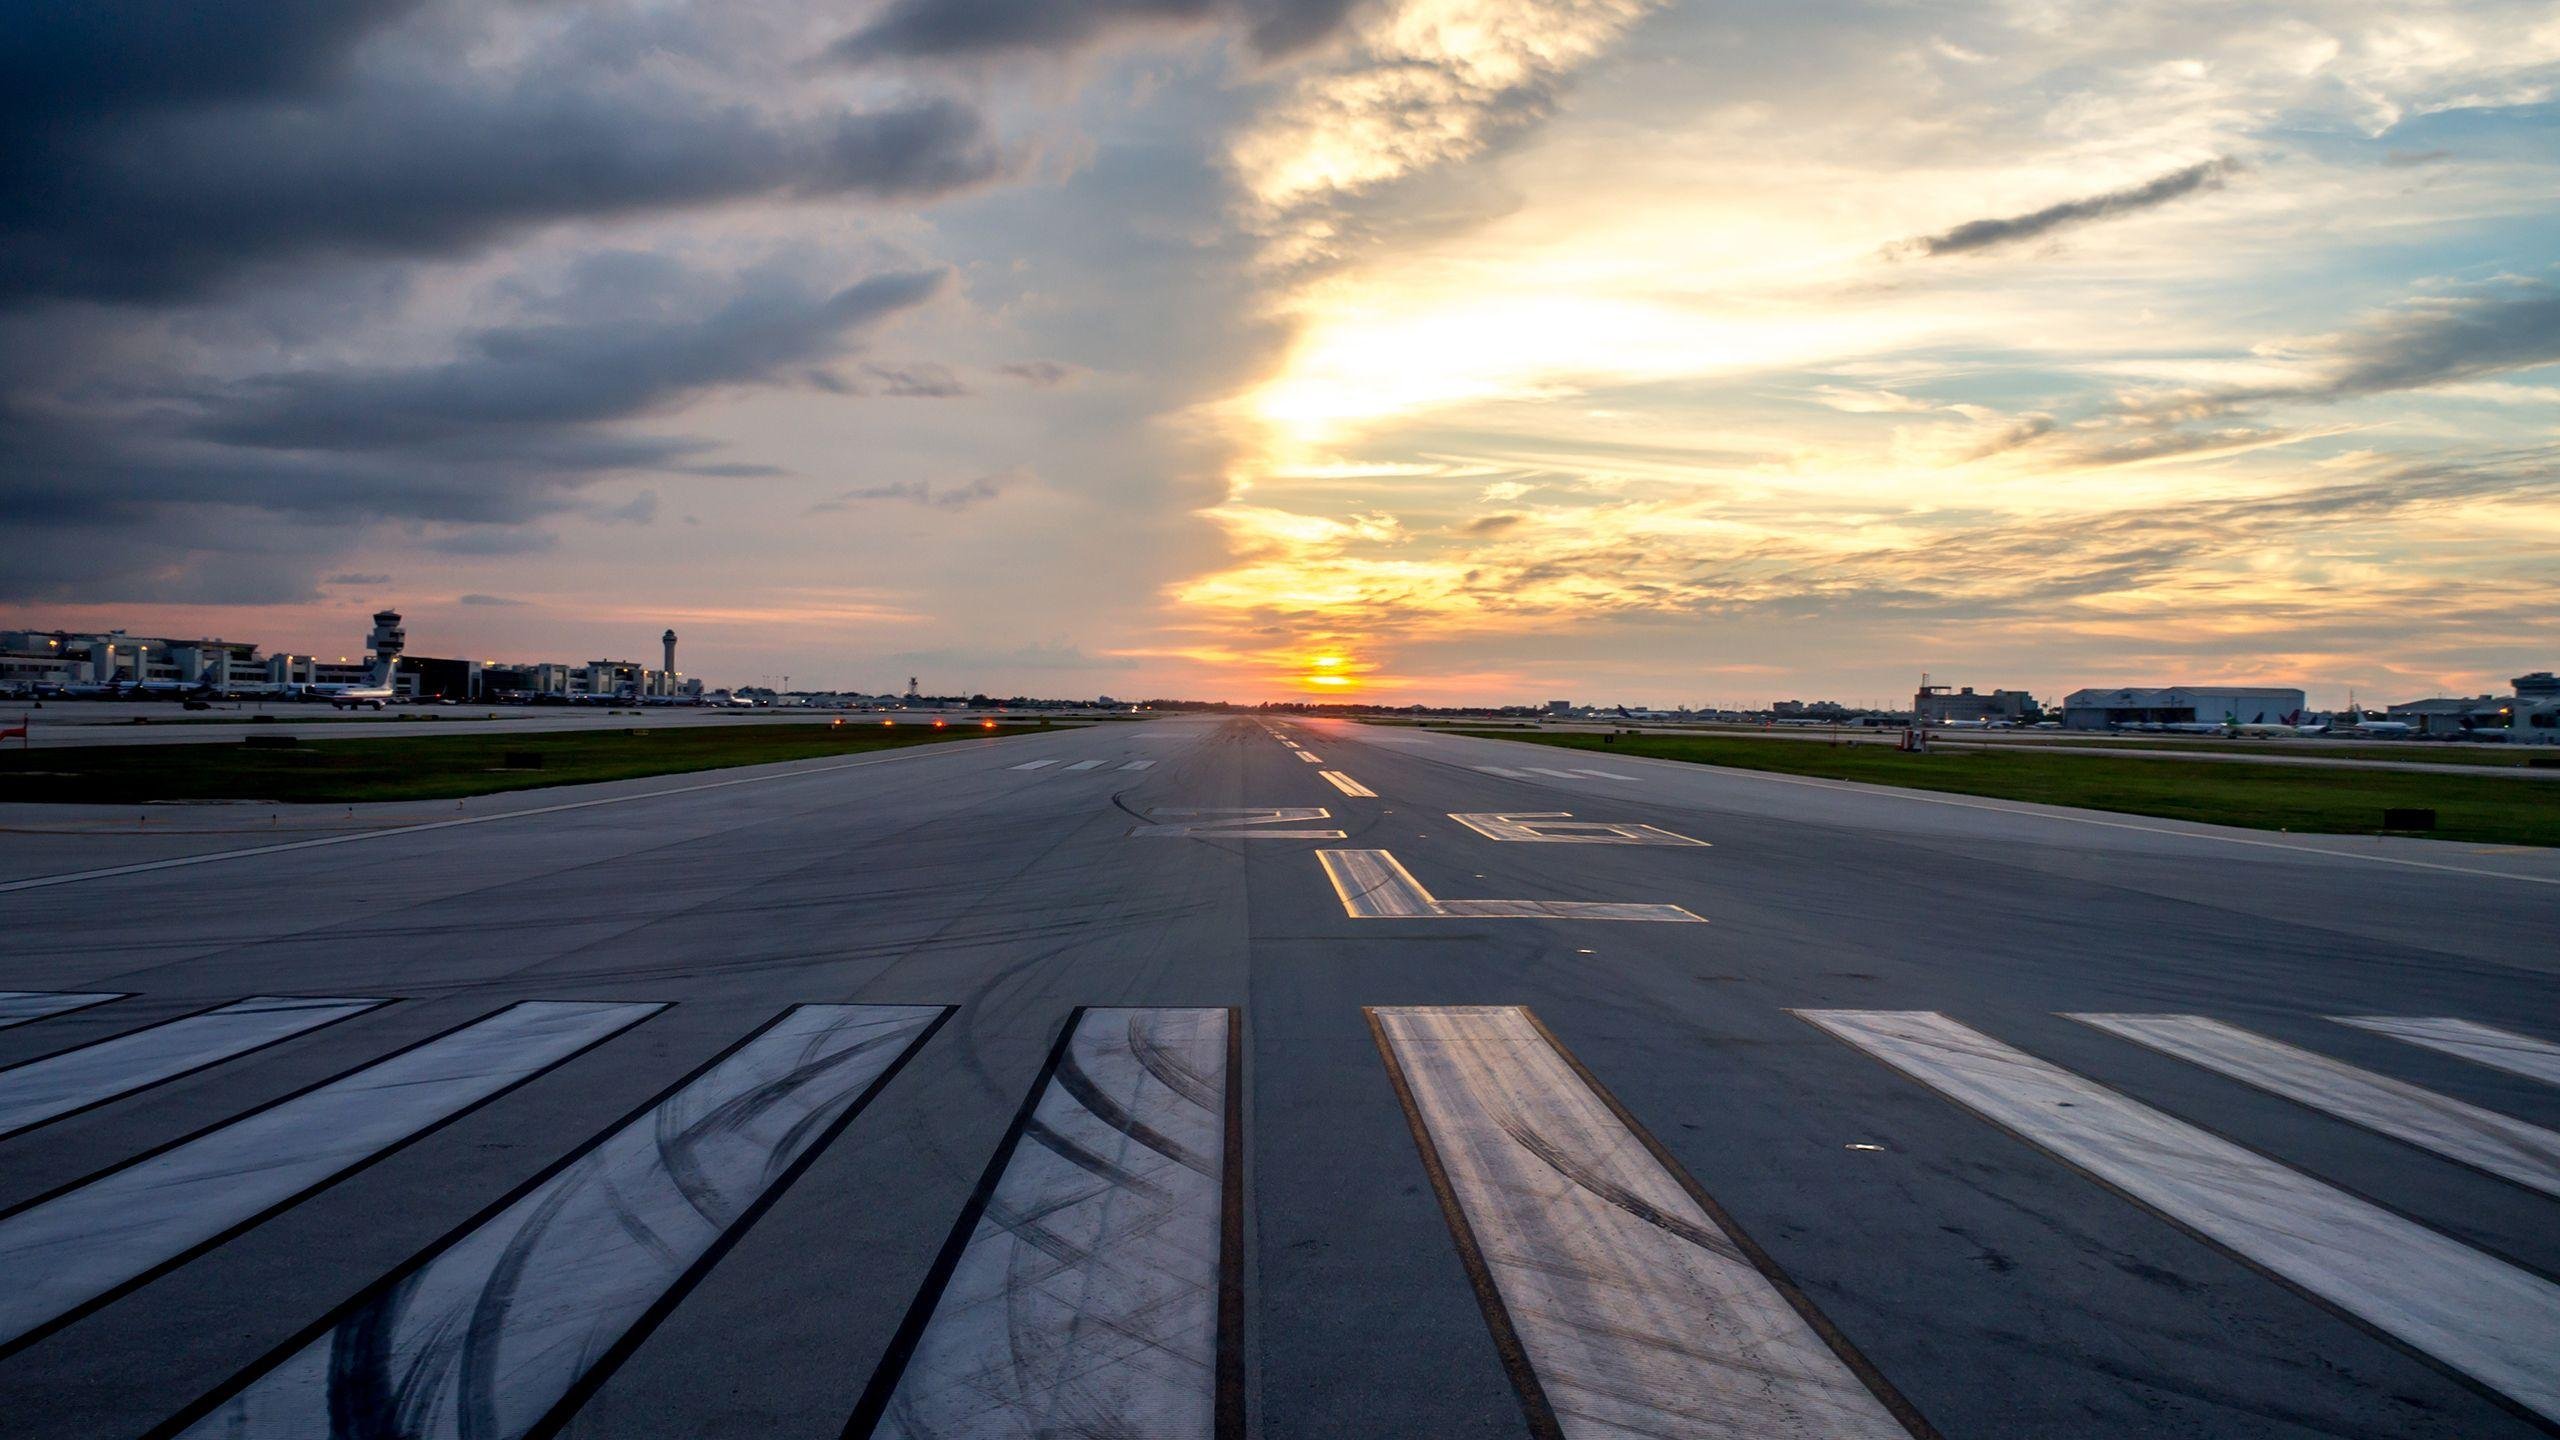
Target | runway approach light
(938,724)
(987,724)
(888,722)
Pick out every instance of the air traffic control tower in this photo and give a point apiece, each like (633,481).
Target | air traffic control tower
(388,639)
(669,640)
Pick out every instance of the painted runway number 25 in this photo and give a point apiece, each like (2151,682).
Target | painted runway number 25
(1558,827)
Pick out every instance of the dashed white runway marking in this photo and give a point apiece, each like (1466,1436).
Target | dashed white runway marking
(2527,1154)
(1503,771)
(1558,827)
(1605,775)
(1242,823)
(83,1245)
(487,1334)
(2487,1319)
(1084,1299)
(2481,1044)
(1559,774)
(1292,744)
(18,1007)
(1346,784)
(1032,765)
(1311,757)
(1139,765)
(1087,765)
(1375,886)
(56,1085)
(1637,1313)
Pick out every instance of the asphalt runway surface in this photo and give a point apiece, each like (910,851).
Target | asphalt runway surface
(1216,1076)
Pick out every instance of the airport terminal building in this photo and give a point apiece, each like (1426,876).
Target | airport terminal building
(2182,705)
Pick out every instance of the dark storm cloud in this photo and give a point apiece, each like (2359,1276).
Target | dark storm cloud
(943,29)
(1983,234)
(545,381)
(163,207)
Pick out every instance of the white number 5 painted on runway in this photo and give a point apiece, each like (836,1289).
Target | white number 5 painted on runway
(1239,824)
(1558,827)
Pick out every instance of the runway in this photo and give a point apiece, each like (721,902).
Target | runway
(1228,1076)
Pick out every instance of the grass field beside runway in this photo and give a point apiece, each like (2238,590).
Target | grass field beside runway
(2407,752)
(2261,797)
(438,767)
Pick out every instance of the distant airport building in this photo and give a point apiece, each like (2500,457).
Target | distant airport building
(2531,716)
(2182,705)
(1938,705)
(1559,707)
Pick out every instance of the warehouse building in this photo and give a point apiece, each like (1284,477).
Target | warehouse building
(2182,705)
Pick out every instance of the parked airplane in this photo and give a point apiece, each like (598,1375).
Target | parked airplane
(375,693)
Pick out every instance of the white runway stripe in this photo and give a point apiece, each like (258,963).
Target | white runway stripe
(63,1253)
(1139,765)
(1558,827)
(1032,765)
(2487,1319)
(487,1334)
(2527,1154)
(1346,784)
(1556,774)
(1374,885)
(17,1007)
(1086,1299)
(1503,771)
(2480,1044)
(1086,765)
(1255,823)
(1604,775)
(1639,1315)
(56,1085)
(1311,757)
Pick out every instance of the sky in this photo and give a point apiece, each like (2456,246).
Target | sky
(1440,351)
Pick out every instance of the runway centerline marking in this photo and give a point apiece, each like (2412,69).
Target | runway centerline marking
(2484,1318)
(80,1247)
(1081,1292)
(1311,757)
(1374,885)
(2527,1154)
(1503,771)
(1087,765)
(57,1085)
(1238,823)
(1139,765)
(2480,1044)
(20,1007)
(1032,765)
(1346,784)
(498,1328)
(1635,1310)
(1558,827)
(176,862)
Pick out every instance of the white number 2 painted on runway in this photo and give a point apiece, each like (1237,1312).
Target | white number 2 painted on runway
(1558,827)
(1252,823)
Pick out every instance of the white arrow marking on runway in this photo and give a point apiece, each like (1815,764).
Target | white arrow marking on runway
(1558,827)
(2480,1044)
(80,1246)
(1085,1301)
(1086,765)
(1139,765)
(2527,1154)
(1346,784)
(1375,886)
(18,1007)
(56,1085)
(1249,823)
(1031,765)
(486,1334)
(2493,1322)
(1637,1312)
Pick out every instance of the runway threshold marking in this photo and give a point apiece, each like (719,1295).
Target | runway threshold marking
(2480,1044)
(2477,1315)
(177,862)
(1093,1283)
(1504,771)
(20,1007)
(1346,784)
(1032,765)
(1086,765)
(513,1319)
(1374,885)
(1558,827)
(2509,1148)
(68,1252)
(57,1085)
(1622,1302)
(1238,823)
